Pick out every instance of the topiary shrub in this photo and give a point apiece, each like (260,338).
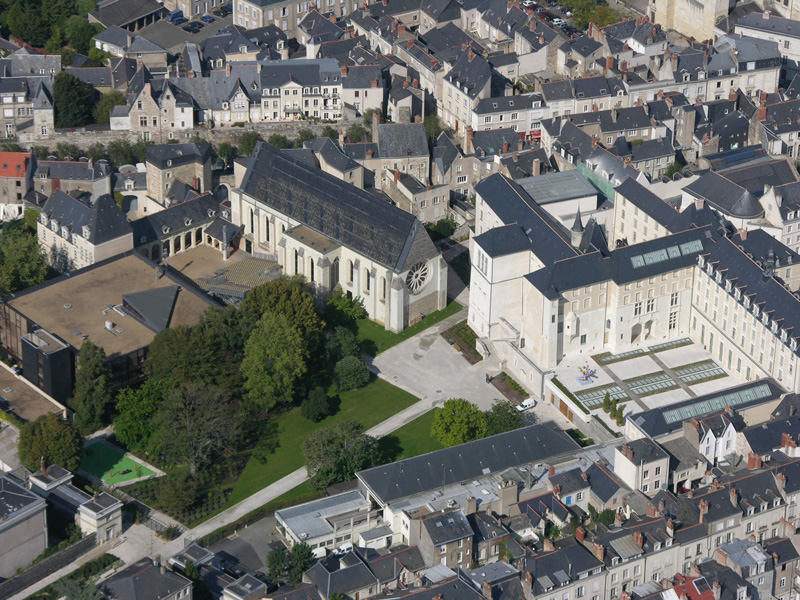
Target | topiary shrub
(351,373)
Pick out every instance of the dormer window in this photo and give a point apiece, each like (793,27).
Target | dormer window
(224,106)
(756,311)
(793,344)
(187,221)
(774,327)
(43,219)
(169,163)
(668,542)
(784,335)
(738,294)
(776,502)
(65,232)
(728,286)
(128,184)
(750,511)
(791,214)
(211,212)
(657,546)
(254,86)
(763,506)
(242,49)
(86,231)
(747,301)
(164,229)
(718,277)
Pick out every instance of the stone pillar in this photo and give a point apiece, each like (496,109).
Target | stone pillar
(442,268)
(356,278)
(395,319)
(323,274)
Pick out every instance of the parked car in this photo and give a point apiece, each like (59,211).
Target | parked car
(179,21)
(526,404)
(220,12)
(207,19)
(197,25)
(189,28)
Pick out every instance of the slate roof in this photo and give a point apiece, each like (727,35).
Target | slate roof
(504,240)
(622,265)
(470,72)
(344,213)
(144,581)
(725,195)
(447,527)
(585,88)
(762,246)
(179,154)
(783,547)
(419,474)
(388,567)
(492,142)
(683,456)
(561,566)
(123,12)
(16,499)
(71,170)
(511,204)
(444,153)
(569,481)
(507,103)
(603,482)
(453,587)
(344,574)
(186,216)
(103,218)
(770,295)
(645,451)
(755,177)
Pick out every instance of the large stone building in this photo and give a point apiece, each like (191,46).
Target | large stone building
(76,233)
(189,163)
(23,527)
(337,235)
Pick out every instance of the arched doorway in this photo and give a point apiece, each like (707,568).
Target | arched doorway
(648,329)
(636,332)
(222,193)
(155,253)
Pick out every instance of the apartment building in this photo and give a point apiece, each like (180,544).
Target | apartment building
(189,163)
(468,81)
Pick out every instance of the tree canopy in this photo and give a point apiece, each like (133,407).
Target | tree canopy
(22,261)
(102,110)
(274,359)
(289,297)
(92,395)
(135,410)
(194,426)
(72,101)
(503,417)
(334,454)
(53,438)
(247,142)
(182,355)
(457,422)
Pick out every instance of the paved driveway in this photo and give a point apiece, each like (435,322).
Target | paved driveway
(428,367)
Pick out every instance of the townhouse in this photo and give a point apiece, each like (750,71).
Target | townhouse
(468,82)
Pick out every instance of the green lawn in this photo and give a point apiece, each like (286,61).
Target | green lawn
(410,440)
(369,406)
(374,339)
(107,463)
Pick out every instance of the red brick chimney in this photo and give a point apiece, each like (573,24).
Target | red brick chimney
(551,471)
(762,112)
(396,176)
(787,441)
(638,538)
(505,147)
(468,140)
(753,461)
(374,83)
(369,152)
(599,551)
(651,510)
(732,95)
(401,29)
(580,534)
(627,451)
(344,71)
(470,55)
(609,63)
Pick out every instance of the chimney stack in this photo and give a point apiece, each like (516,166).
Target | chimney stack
(670,527)
(703,509)
(551,471)
(396,176)
(618,519)
(787,441)
(468,140)
(651,510)
(753,461)
(505,147)
(486,590)
(734,496)
(599,551)
(638,538)
(580,534)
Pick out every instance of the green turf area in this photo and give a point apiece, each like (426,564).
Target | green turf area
(101,460)
(374,338)
(411,439)
(369,406)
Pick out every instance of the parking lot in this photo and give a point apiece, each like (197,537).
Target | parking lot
(172,37)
